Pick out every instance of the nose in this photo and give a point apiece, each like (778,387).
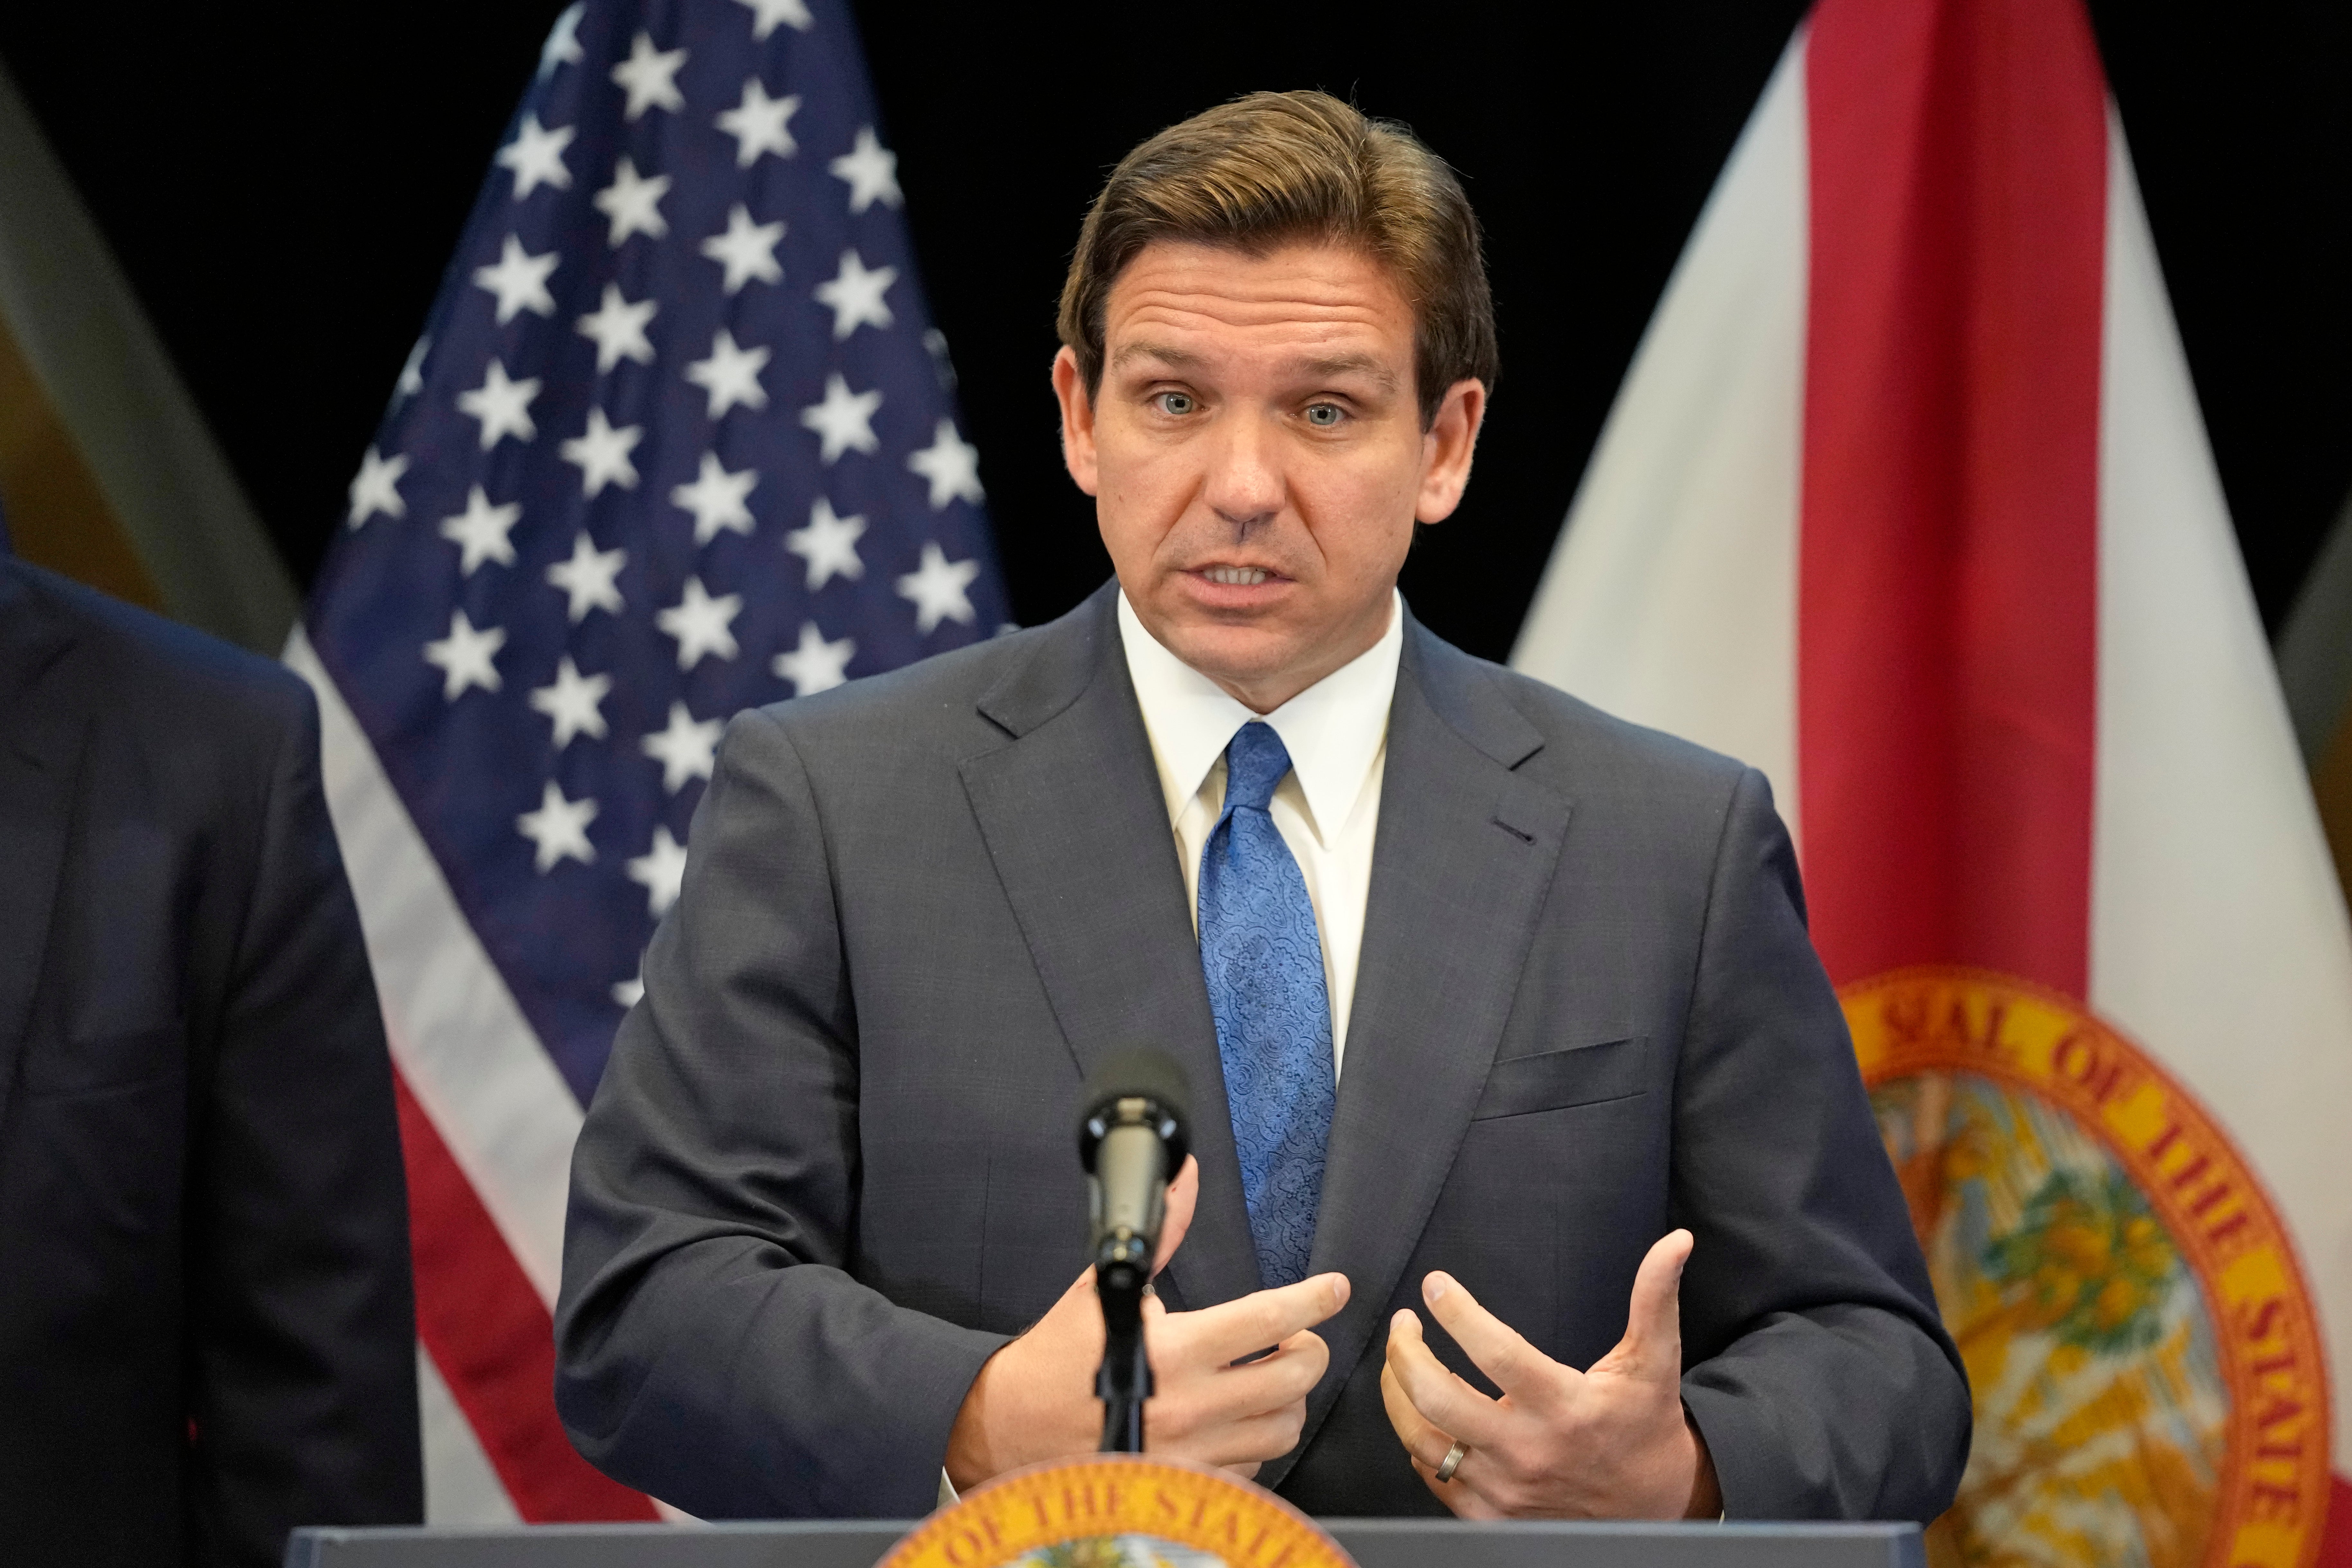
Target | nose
(1244,483)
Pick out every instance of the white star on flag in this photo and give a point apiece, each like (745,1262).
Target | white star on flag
(589,577)
(936,587)
(845,420)
(632,203)
(816,665)
(731,374)
(660,871)
(829,545)
(747,250)
(481,531)
(716,498)
(760,124)
(559,829)
(376,486)
(618,330)
(601,455)
(766,13)
(467,657)
(649,76)
(572,702)
(871,169)
(562,45)
(411,370)
(702,624)
(536,156)
(686,751)
(952,464)
(519,281)
(502,405)
(853,295)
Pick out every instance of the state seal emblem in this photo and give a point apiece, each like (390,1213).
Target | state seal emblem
(1119,1511)
(2144,1354)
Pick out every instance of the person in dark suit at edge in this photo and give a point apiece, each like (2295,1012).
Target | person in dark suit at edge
(1499,1012)
(206,1331)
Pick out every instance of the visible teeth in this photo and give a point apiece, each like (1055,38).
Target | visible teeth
(1237,576)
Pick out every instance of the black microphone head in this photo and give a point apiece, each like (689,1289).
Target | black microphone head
(1140,1072)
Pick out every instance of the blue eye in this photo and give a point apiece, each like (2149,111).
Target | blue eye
(1324,416)
(1174,403)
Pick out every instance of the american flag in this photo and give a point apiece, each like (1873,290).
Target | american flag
(678,439)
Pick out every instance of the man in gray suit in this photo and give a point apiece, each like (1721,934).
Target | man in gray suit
(1493,1005)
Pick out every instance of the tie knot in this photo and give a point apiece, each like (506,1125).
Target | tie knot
(1255,760)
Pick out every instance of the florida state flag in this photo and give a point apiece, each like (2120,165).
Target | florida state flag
(1906,501)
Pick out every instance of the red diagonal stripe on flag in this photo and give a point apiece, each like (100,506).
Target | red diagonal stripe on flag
(486,1330)
(1949,577)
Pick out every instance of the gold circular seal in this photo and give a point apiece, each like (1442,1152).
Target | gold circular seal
(1119,1511)
(2143,1354)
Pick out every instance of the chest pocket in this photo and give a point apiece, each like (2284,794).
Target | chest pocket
(1573,1075)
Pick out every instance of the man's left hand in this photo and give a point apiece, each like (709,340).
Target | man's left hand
(1610,1443)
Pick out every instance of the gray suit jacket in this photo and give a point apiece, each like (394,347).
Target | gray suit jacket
(830,1168)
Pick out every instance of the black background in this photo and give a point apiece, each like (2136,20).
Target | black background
(283,186)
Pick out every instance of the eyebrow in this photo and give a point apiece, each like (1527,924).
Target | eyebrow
(1352,364)
(1329,366)
(1177,358)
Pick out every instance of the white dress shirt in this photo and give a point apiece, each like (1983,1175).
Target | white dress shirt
(1327,807)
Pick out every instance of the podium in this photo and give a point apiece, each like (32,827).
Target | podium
(1372,1542)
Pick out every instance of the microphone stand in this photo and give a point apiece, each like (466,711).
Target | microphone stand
(1131,1140)
(1122,1271)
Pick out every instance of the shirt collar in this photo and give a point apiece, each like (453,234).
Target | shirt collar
(1333,729)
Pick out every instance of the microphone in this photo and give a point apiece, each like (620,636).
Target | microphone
(1131,1139)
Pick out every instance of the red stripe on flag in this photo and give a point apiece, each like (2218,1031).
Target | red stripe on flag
(485,1328)
(2336,1542)
(1947,603)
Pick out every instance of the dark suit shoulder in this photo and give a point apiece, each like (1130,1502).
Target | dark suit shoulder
(957,702)
(138,665)
(1584,749)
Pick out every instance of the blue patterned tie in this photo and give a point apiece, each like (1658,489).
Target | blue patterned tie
(1265,968)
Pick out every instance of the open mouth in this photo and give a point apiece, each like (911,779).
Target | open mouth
(1237,576)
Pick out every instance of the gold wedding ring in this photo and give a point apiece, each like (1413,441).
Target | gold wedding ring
(1453,1460)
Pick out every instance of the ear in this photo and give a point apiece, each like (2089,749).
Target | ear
(1078,420)
(1446,449)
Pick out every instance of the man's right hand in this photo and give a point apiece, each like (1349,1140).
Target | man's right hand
(1034,1399)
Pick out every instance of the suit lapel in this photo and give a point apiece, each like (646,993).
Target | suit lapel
(1463,855)
(1071,814)
(40,753)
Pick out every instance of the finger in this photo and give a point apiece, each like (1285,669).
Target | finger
(1426,1448)
(1230,1330)
(1287,1372)
(1653,1321)
(1423,1444)
(1184,1197)
(1253,1412)
(1496,1348)
(1259,1438)
(1281,1379)
(1464,1500)
(1443,1399)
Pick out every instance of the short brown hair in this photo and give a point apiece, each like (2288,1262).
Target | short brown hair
(1278,167)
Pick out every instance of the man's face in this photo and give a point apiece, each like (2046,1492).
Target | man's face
(1256,455)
